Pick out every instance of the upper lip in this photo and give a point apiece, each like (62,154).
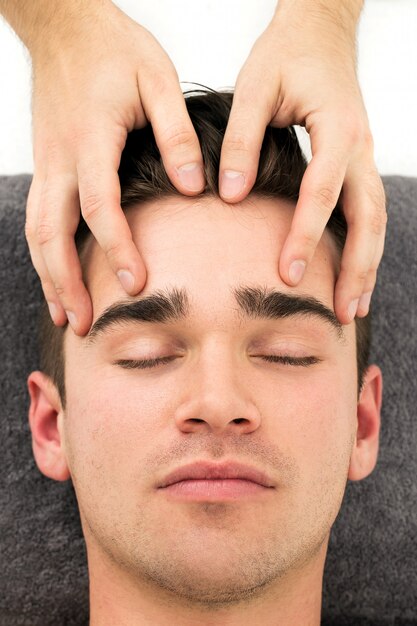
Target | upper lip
(209,470)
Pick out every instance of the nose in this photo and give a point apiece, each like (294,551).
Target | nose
(217,400)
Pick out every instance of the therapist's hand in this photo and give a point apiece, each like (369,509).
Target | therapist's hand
(302,70)
(95,78)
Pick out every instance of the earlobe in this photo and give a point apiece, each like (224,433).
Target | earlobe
(45,414)
(365,449)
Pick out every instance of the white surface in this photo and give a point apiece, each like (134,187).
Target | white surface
(208,41)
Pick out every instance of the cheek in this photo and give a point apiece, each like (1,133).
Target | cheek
(313,418)
(111,423)
(313,422)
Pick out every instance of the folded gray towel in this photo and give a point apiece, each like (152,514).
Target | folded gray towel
(371,569)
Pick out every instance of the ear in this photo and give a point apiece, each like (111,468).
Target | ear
(45,419)
(365,449)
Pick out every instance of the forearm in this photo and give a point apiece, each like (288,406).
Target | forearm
(344,12)
(38,22)
(333,21)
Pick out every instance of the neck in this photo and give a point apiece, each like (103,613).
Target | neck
(118,598)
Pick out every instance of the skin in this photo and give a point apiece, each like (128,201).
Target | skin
(97,74)
(254,560)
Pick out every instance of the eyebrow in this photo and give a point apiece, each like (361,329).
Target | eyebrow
(171,305)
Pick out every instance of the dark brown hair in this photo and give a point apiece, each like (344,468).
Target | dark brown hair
(143,177)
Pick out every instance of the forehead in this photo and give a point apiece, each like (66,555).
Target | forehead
(208,247)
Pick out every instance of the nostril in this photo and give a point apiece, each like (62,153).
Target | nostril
(197,420)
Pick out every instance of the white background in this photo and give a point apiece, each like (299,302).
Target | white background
(208,41)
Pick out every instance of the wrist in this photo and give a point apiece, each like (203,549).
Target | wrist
(56,24)
(340,13)
(326,26)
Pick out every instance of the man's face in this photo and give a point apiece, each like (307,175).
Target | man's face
(217,400)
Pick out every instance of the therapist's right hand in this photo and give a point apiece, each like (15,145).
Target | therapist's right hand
(94,81)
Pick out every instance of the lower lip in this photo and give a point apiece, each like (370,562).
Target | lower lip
(214,489)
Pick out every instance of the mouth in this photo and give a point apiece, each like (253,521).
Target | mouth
(206,481)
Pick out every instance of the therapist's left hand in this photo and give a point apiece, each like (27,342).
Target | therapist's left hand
(302,71)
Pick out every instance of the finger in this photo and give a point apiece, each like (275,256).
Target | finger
(319,192)
(99,189)
(364,208)
(365,299)
(57,222)
(369,286)
(56,310)
(251,112)
(356,260)
(370,281)
(175,136)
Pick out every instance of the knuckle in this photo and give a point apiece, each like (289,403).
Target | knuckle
(69,287)
(371,279)
(66,288)
(307,241)
(48,288)
(53,148)
(159,76)
(81,135)
(361,274)
(237,142)
(354,134)
(324,199)
(45,231)
(359,137)
(91,206)
(60,289)
(114,251)
(30,231)
(374,266)
(178,136)
(354,125)
(358,273)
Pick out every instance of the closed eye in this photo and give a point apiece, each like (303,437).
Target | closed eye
(284,359)
(303,361)
(143,364)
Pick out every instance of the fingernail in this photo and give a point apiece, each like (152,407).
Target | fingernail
(296,271)
(191,176)
(353,307)
(127,279)
(72,318)
(365,301)
(52,310)
(231,184)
